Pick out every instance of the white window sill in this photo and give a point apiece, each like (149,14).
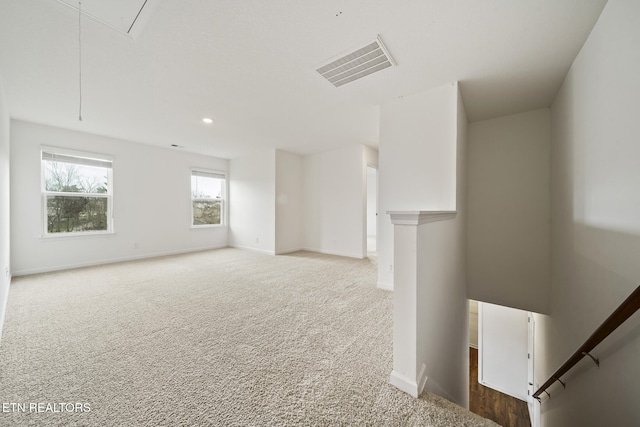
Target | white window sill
(207,227)
(70,235)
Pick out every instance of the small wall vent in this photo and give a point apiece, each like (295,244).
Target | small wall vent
(364,60)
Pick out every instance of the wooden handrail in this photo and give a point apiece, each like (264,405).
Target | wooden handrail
(617,318)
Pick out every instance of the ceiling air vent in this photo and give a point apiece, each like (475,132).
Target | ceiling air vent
(365,60)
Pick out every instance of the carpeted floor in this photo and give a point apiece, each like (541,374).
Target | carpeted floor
(220,338)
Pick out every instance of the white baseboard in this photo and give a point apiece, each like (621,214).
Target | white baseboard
(3,308)
(249,248)
(435,388)
(409,386)
(385,286)
(422,383)
(288,251)
(338,253)
(422,379)
(113,260)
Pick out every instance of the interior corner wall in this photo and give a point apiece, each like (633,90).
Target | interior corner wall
(595,213)
(443,308)
(5,208)
(334,188)
(252,202)
(428,132)
(289,214)
(417,162)
(151,202)
(460,273)
(509,197)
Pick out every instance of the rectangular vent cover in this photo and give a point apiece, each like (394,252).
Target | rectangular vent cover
(370,58)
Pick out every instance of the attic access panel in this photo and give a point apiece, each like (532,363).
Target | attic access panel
(125,16)
(366,59)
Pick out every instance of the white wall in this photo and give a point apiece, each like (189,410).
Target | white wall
(416,164)
(595,212)
(334,188)
(459,315)
(443,309)
(502,349)
(281,202)
(5,248)
(431,311)
(151,202)
(289,213)
(509,196)
(252,202)
(372,200)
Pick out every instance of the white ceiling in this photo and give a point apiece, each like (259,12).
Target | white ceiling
(250,65)
(118,14)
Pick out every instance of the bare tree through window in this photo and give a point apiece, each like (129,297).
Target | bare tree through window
(76,197)
(207,190)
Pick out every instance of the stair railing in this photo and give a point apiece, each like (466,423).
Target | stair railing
(617,318)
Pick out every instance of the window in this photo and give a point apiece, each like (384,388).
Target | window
(76,193)
(207,198)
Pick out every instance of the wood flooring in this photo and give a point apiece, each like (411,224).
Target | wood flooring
(489,403)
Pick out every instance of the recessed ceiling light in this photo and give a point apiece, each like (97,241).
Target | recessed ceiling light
(207,120)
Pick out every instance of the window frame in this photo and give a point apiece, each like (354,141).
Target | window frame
(45,193)
(222,199)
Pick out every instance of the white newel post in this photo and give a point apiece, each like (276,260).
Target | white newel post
(407,253)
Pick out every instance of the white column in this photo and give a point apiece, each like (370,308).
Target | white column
(409,373)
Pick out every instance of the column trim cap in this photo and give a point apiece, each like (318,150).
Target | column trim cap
(419,217)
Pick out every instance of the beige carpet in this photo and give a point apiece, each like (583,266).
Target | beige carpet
(220,338)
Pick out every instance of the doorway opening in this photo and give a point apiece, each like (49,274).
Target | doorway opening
(500,363)
(372,211)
